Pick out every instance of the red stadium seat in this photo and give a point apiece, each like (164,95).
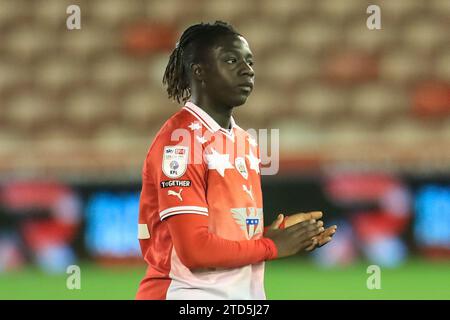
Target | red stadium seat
(432,99)
(351,67)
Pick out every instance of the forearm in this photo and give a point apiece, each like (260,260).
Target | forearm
(199,248)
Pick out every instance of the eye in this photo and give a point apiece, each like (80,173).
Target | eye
(231,60)
(250,63)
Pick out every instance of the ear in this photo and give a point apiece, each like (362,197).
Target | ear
(197,72)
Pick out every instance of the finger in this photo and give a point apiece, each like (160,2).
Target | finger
(316,214)
(324,242)
(329,231)
(301,225)
(300,217)
(276,224)
(305,244)
(312,215)
(295,218)
(313,245)
(320,223)
(308,235)
(310,244)
(312,228)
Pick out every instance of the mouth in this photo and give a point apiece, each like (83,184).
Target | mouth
(247,86)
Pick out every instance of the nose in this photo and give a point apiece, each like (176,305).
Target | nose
(247,70)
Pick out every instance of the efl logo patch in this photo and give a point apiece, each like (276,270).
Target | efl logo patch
(175,160)
(239,163)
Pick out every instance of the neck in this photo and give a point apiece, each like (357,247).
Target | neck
(220,114)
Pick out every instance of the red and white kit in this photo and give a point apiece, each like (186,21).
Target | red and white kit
(201,212)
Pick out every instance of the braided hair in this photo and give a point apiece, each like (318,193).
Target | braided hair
(189,49)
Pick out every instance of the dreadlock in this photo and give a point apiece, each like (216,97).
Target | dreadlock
(188,50)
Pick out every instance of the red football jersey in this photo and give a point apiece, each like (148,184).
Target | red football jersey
(196,167)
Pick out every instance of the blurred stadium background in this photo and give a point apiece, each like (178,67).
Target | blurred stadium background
(364,119)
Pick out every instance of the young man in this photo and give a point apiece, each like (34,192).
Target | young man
(201,217)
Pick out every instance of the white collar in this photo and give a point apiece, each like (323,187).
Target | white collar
(207,120)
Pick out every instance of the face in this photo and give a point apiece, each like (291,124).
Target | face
(229,75)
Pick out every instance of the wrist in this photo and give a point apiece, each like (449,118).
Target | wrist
(272,250)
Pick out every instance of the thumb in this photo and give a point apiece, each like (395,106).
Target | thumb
(276,224)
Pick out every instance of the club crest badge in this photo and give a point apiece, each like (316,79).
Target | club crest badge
(175,161)
(250,220)
(239,163)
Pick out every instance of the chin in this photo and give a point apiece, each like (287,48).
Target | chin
(239,101)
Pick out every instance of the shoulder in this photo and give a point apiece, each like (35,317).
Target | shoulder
(177,136)
(174,144)
(174,129)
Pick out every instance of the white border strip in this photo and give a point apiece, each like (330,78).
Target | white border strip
(189,208)
(183,212)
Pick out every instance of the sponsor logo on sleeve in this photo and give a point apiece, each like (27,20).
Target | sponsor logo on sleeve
(175,160)
(176,194)
(175,183)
